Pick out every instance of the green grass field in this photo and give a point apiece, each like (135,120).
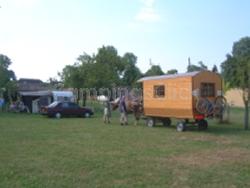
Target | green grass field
(36,151)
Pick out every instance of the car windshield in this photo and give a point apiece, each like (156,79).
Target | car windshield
(53,104)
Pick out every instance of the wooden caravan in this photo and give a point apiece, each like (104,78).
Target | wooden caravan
(177,96)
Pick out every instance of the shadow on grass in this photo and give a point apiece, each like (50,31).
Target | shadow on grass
(227,129)
(235,127)
(214,128)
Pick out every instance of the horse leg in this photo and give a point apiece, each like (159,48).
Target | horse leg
(136,122)
(137,118)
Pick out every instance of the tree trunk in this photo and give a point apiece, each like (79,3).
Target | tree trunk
(246,118)
(228,113)
(84,98)
(10,97)
(78,96)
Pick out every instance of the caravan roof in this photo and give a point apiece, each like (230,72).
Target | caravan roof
(163,77)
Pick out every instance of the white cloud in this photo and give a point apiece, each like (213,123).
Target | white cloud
(147,12)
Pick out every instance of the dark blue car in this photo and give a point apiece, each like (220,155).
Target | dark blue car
(66,109)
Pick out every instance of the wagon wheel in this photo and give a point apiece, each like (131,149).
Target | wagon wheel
(166,122)
(150,122)
(220,106)
(203,106)
(202,124)
(181,126)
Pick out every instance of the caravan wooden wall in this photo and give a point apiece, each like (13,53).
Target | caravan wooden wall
(178,101)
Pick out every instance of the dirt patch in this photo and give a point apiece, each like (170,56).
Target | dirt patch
(218,140)
(209,138)
(213,157)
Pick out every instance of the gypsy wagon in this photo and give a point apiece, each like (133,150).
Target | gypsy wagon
(186,97)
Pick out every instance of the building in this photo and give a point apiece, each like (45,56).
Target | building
(27,84)
(34,100)
(34,94)
(234,97)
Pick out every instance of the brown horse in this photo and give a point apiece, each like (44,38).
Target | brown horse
(133,106)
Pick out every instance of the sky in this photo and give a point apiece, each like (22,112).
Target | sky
(42,36)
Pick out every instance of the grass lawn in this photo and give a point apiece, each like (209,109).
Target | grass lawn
(36,151)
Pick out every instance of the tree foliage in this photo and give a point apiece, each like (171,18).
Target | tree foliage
(131,72)
(172,71)
(7,78)
(236,71)
(72,77)
(154,71)
(6,75)
(106,69)
(215,69)
(192,67)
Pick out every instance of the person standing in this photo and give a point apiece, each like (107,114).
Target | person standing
(123,111)
(107,112)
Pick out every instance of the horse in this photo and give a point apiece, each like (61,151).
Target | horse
(133,106)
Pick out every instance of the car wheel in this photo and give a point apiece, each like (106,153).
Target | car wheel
(87,115)
(58,115)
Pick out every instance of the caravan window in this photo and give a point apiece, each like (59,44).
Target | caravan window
(207,90)
(159,91)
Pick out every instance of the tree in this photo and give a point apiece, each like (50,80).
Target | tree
(202,65)
(85,58)
(103,70)
(5,61)
(89,74)
(71,77)
(191,67)
(215,69)
(11,89)
(82,75)
(236,72)
(100,70)
(7,78)
(108,68)
(131,72)
(6,75)
(172,71)
(154,71)
(53,83)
